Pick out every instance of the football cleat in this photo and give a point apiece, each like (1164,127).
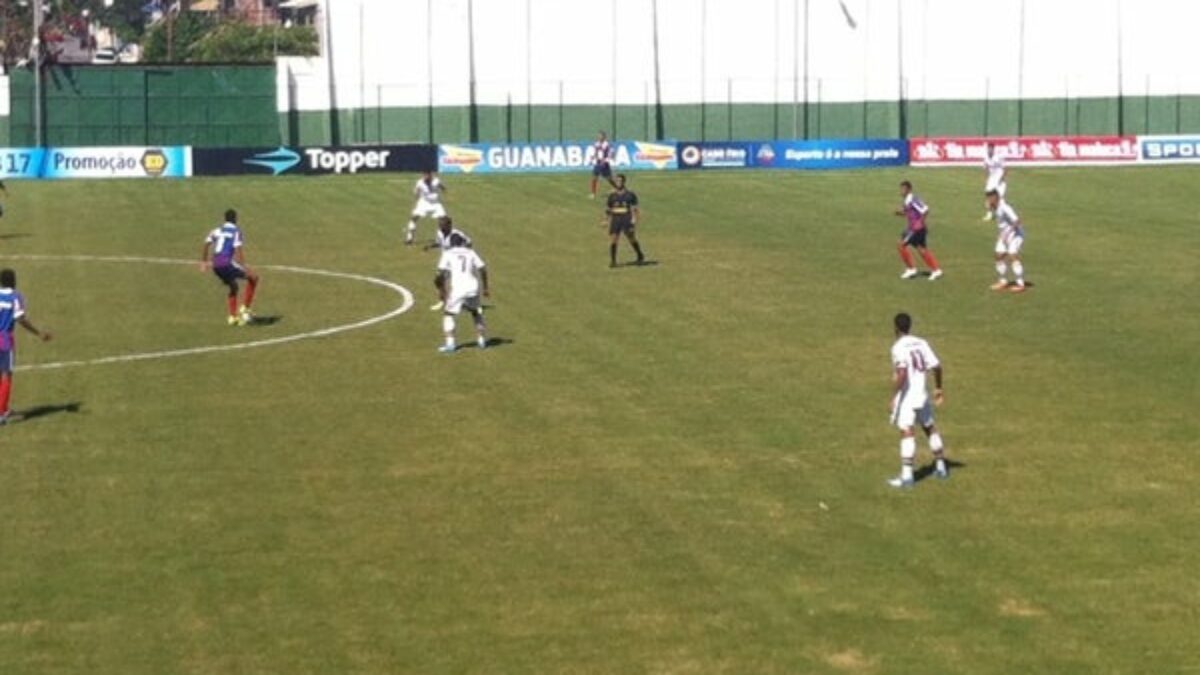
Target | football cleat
(909,273)
(999,285)
(901,483)
(1017,288)
(233,321)
(447,349)
(436,306)
(941,470)
(935,275)
(482,342)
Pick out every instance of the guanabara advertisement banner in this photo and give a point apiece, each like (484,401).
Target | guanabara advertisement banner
(552,157)
(1027,150)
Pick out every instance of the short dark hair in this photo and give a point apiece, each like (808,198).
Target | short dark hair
(445,221)
(621,177)
(906,184)
(993,192)
(457,240)
(903,322)
(8,278)
(230,216)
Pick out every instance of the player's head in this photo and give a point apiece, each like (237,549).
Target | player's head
(993,198)
(427,176)
(445,224)
(601,136)
(903,323)
(457,241)
(905,188)
(989,149)
(8,278)
(619,180)
(230,216)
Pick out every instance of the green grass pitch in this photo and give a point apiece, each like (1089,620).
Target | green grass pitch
(670,469)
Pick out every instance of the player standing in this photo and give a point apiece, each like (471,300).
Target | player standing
(601,161)
(441,241)
(623,214)
(461,273)
(1010,238)
(993,165)
(229,264)
(912,358)
(12,313)
(428,192)
(915,234)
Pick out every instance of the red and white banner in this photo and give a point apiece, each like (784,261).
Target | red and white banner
(1026,150)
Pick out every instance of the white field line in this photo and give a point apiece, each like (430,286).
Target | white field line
(171,353)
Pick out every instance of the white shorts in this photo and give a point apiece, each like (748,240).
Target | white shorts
(457,304)
(1000,188)
(904,416)
(1010,242)
(425,209)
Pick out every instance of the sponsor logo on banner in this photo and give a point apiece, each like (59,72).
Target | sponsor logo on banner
(313,161)
(116,162)
(826,154)
(551,157)
(1029,150)
(1170,149)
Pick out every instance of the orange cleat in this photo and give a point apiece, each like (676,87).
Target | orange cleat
(1018,288)
(999,286)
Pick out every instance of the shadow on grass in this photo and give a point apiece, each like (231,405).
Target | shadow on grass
(644,263)
(35,412)
(266,320)
(15,235)
(927,470)
(492,343)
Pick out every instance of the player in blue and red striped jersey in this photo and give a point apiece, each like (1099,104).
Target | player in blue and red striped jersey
(915,234)
(12,313)
(601,161)
(229,264)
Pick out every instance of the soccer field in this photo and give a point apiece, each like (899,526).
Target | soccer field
(676,468)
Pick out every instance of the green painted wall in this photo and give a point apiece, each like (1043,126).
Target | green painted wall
(134,105)
(718,121)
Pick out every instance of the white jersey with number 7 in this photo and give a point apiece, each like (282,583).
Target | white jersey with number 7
(915,357)
(463,265)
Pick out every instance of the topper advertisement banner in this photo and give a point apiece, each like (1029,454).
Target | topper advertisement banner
(552,157)
(1028,150)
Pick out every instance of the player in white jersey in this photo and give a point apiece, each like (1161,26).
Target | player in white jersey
(997,175)
(462,276)
(428,192)
(1010,237)
(912,359)
(441,241)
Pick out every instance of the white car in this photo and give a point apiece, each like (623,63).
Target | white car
(105,56)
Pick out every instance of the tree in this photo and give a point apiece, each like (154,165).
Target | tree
(193,38)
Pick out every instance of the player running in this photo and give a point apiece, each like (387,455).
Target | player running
(912,358)
(12,313)
(915,234)
(993,165)
(623,214)
(428,192)
(441,241)
(601,161)
(1010,238)
(229,264)
(461,275)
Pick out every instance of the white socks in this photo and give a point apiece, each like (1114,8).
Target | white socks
(908,450)
(448,329)
(1001,270)
(1019,271)
(412,231)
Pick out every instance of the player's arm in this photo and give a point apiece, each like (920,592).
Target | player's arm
(3,188)
(439,282)
(483,279)
(899,380)
(938,396)
(204,254)
(43,335)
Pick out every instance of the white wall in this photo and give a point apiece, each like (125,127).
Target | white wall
(601,49)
